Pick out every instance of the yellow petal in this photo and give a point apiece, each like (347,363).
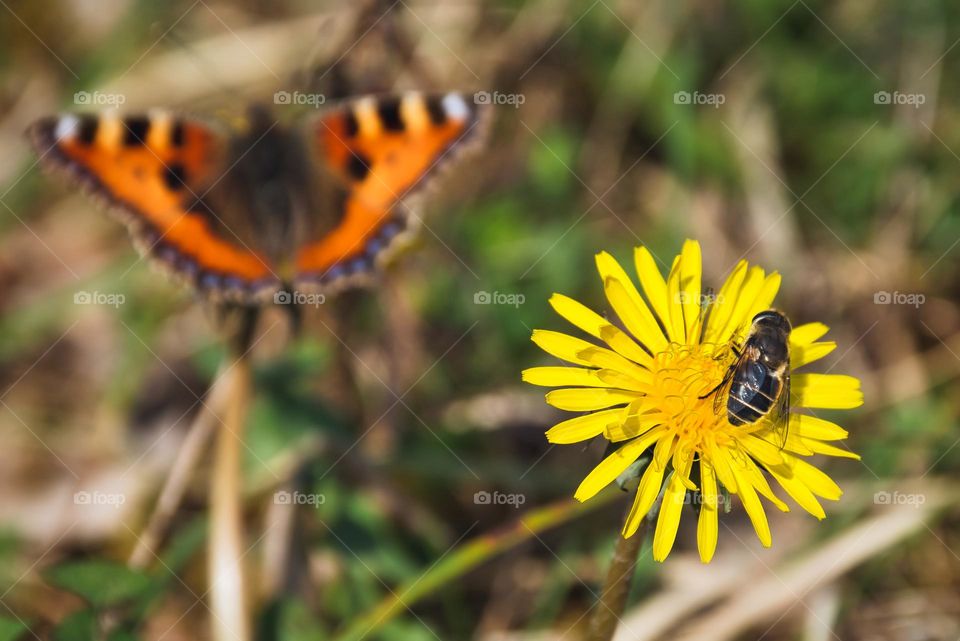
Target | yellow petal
(819,447)
(719,327)
(796,445)
(751,503)
(613,378)
(801,355)
(663,451)
(632,424)
(652,282)
(807,333)
(562,346)
(633,311)
(797,490)
(620,342)
(608,359)
(826,391)
(721,461)
(647,493)
(811,477)
(627,302)
(613,466)
(707,526)
(563,377)
(743,311)
(815,427)
(762,450)
(676,327)
(766,295)
(669,519)
(759,482)
(592,323)
(683,460)
(584,427)
(691,272)
(580,399)
(578,314)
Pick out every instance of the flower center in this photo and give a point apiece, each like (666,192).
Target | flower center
(685,384)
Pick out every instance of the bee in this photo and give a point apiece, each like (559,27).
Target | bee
(757,385)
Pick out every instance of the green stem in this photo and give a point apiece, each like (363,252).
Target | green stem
(616,588)
(467,557)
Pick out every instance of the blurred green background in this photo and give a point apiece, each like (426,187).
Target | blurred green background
(819,139)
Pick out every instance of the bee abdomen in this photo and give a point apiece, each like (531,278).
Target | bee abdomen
(753,393)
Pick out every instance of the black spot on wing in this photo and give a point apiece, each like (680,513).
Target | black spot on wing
(438,115)
(87,130)
(358,166)
(350,125)
(177,135)
(389,112)
(135,131)
(175,177)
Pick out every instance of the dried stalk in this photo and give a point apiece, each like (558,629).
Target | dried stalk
(230,616)
(175,486)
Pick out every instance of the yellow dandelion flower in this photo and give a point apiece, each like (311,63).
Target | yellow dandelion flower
(649,385)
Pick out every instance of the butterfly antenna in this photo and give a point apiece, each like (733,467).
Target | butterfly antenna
(327,76)
(374,18)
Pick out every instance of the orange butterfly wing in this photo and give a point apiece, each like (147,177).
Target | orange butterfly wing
(383,149)
(154,170)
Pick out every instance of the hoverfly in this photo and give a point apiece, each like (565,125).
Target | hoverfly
(757,385)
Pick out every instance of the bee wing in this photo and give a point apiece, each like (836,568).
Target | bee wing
(780,416)
(723,390)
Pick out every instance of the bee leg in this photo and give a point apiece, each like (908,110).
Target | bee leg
(714,390)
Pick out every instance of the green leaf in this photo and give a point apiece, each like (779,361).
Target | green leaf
(11,629)
(184,546)
(101,583)
(79,626)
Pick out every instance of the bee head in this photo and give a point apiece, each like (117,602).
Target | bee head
(772,319)
(771,331)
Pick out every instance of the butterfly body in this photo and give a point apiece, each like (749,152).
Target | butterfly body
(312,205)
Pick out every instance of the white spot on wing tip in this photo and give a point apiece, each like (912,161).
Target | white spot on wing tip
(456,107)
(66,128)
(412,99)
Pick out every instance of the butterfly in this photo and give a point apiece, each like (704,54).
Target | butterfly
(244,213)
